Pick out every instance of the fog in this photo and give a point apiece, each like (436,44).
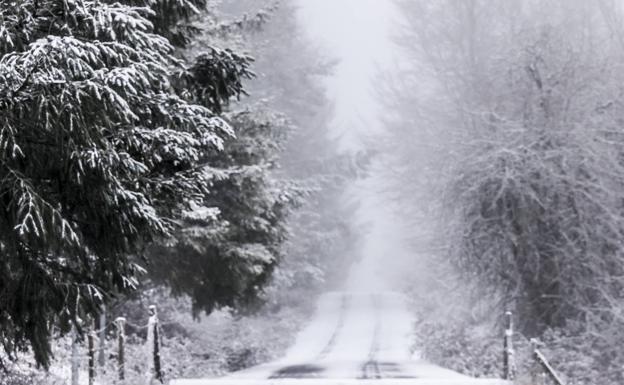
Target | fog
(322,191)
(493,167)
(358,35)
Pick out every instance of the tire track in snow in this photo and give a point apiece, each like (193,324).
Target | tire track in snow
(309,370)
(370,369)
(344,305)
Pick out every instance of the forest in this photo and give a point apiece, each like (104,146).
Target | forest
(190,162)
(515,171)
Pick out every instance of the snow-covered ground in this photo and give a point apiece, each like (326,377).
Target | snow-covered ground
(361,334)
(355,336)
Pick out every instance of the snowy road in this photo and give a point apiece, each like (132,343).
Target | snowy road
(355,337)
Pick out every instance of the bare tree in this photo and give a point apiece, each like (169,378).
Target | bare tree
(510,130)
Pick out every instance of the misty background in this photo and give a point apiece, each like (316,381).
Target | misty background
(234,161)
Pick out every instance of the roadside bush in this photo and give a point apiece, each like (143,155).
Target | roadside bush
(459,347)
(579,357)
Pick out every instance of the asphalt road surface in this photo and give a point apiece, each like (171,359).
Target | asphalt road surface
(354,337)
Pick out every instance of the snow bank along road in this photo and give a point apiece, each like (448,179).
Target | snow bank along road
(355,337)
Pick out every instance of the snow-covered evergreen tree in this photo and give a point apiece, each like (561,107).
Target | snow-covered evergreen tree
(320,232)
(224,257)
(226,248)
(104,138)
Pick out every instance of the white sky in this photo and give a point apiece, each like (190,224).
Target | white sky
(358,34)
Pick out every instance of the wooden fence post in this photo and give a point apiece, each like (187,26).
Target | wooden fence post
(152,329)
(541,363)
(508,350)
(75,357)
(121,339)
(91,345)
(102,337)
(537,376)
